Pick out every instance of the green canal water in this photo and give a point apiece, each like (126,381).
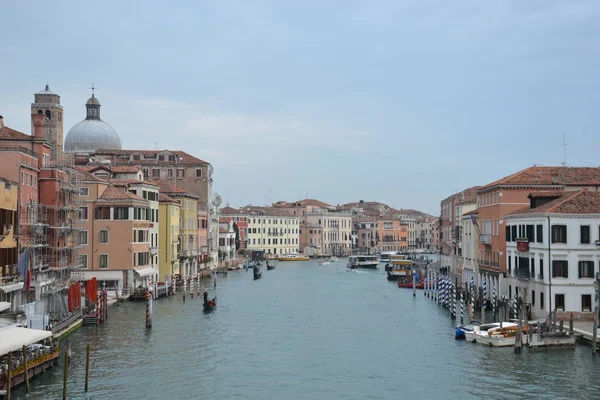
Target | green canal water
(306,331)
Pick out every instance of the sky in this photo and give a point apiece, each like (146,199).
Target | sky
(403,102)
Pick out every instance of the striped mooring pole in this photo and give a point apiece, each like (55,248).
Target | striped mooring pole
(515,307)
(462,303)
(484,302)
(453,301)
(425,283)
(473,292)
(494,301)
(173,284)
(184,287)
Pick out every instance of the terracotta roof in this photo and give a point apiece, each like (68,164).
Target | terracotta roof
(121,182)
(166,187)
(121,169)
(223,230)
(163,198)
(313,203)
(548,176)
(86,176)
(577,202)
(182,156)
(225,219)
(268,211)
(229,210)
(7,133)
(546,193)
(113,193)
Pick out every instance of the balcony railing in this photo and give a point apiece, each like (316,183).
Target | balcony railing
(489,264)
(485,238)
(522,274)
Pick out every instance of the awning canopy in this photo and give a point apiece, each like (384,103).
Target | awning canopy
(145,271)
(11,287)
(12,339)
(4,305)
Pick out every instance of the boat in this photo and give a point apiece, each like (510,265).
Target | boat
(471,336)
(400,269)
(257,274)
(293,257)
(270,265)
(41,354)
(210,305)
(409,285)
(385,256)
(334,259)
(324,262)
(363,261)
(502,336)
(460,330)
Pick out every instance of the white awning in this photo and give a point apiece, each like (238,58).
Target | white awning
(4,305)
(145,271)
(12,339)
(12,287)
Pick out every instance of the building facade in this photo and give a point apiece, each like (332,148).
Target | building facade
(168,237)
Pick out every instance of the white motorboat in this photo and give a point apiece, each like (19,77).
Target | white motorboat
(324,262)
(362,262)
(503,336)
(471,336)
(334,259)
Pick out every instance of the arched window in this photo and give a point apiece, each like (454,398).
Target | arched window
(40,112)
(48,114)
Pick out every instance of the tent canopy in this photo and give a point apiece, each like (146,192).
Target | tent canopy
(145,271)
(4,305)
(12,339)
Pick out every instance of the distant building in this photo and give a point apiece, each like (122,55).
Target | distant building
(47,103)
(271,230)
(169,214)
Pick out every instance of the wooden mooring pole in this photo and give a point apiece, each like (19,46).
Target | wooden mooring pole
(9,376)
(148,311)
(518,339)
(26,369)
(87,367)
(66,374)
(595,331)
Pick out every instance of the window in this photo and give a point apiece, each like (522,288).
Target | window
(121,213)
(559,302)
(84,191)
(560,269)
(83,213)
(137,157)
(83,261)
(532,298)
(146,173)
(103,260)
(540,233)
(155,172)
(48,114)
(169,173)
(509,263)
(541,268)
(513,232)
(507,229)
(181,173)
(541,300)
(104,236)
(586,269)
(83,237)
(102,213)
(584,234)
(529,232)
(559,234)
(143,258)
(161,158)
(586,302)
(171,158)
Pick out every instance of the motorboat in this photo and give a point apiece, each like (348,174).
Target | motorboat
(334,259)
(386,256)
(400,269)
(409,285)
(293,257)
(363,261)
(502,336)
(460,330)
(324,262)
(471,336)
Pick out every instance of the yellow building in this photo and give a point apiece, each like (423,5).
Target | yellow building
(272,230)
(8,220)
(168,236)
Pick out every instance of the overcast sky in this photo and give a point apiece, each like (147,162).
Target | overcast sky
(403,102)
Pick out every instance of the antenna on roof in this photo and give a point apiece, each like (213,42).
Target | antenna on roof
(564,163)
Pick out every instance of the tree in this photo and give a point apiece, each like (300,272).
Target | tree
(237,236)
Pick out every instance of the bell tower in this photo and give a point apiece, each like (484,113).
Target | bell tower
(47,103)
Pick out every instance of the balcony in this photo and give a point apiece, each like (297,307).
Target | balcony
(540,277)
(485,238)
(522,273)
(489,264)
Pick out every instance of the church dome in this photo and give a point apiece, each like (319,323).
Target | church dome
(92,133)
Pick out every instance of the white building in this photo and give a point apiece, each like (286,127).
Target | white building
(553,251)
(469,244)
(336,236)
(226,241)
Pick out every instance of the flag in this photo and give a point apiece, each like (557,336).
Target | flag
(473,220)
(23,263)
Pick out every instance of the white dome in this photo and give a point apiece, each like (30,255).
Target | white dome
(90,135)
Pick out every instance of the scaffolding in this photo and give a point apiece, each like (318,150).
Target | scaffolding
(52,232)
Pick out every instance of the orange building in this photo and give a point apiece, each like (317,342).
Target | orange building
(392,234)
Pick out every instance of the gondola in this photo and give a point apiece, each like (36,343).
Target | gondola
(257,275)
(270,267)
(210,305)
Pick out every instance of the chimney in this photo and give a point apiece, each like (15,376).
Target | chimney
(1,122)
(38,121)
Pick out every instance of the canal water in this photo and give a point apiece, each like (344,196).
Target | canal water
(307,331)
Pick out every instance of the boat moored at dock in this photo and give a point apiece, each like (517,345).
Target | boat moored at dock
(400,269)
(293,257)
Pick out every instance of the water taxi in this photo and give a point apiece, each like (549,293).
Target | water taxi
(362,262)
(293,257)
